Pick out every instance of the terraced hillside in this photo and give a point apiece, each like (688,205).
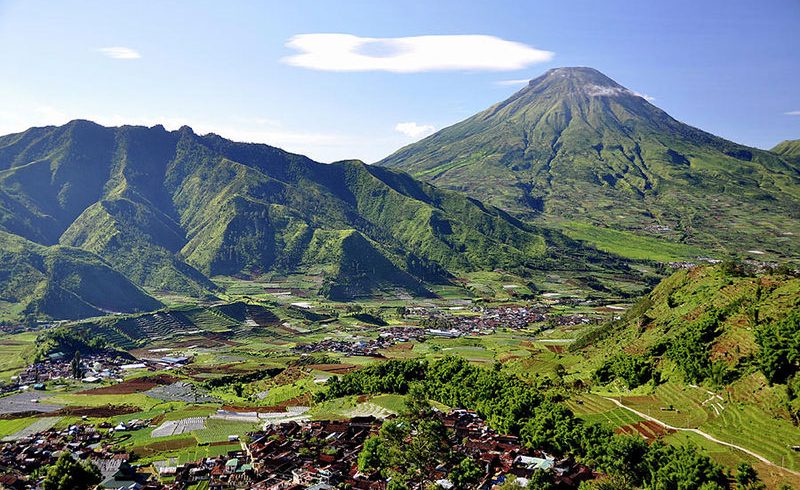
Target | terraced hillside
(707,349)
(170,210)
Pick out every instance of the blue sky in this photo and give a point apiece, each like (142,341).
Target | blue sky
(729,67)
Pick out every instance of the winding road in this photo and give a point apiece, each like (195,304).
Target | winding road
(702,434)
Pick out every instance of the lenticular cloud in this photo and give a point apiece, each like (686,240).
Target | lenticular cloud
(346,52)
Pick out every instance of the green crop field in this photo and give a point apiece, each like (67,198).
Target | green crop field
(218,430)
(15,353)
(631,245)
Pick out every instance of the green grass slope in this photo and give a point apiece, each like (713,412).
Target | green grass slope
(62,283)
(714,326)
(789,149)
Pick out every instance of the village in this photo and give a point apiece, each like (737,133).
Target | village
(295,448)
(436,323)
(318,454)
(21,458)
(323,454)
(92,368)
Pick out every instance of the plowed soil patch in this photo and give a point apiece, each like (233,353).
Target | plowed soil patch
(646,428)
(136,385)
(98,412)
(558,349)
(170,445)
(221,443)
(401,346)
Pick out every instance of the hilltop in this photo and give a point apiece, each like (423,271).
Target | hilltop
(575,148)
(789,149)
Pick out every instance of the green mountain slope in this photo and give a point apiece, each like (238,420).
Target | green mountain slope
(789,149)
(172,209)
(575,146)
(62,283)
(720,326)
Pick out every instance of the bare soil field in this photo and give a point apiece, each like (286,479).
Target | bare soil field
(98,412)
(136,385)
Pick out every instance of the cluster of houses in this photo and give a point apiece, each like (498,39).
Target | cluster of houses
(24,457)
(320,455)
(437,323)
(56,366)
(231,471)
(445,324)
(503,457)
(365,347)
(324,455)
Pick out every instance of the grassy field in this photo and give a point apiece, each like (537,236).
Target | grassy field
(631,245)
(12,426)
(15,353)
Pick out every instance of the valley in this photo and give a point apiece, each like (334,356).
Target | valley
(199,379)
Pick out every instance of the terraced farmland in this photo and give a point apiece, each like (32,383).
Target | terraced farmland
(217,430)
(175,427)
(14,352)
(618,417)
(369,409)
(755,430)
(686,402)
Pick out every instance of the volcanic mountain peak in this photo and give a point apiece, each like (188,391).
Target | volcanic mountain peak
(579,79)
(574,145)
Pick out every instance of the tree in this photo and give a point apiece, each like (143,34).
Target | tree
(779,348)
(408,449)
(465,474)
(541,480)
(551,428)
(746,477)
(75,365)
(678,468)
(372,454)
(68,474)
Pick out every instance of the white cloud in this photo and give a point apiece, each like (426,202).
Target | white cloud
(120,53)
(792,113)
(646,97)
(520,81)
(346,52)
(414,130)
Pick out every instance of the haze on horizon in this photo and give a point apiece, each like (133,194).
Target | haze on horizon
(359,80)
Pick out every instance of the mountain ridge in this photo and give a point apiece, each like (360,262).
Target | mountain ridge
(171,209)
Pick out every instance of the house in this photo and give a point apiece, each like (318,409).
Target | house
(175,360)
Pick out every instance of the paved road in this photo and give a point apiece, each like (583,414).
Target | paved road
(703,434)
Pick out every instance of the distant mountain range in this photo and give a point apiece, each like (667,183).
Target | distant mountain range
(91,217)
(575,147)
